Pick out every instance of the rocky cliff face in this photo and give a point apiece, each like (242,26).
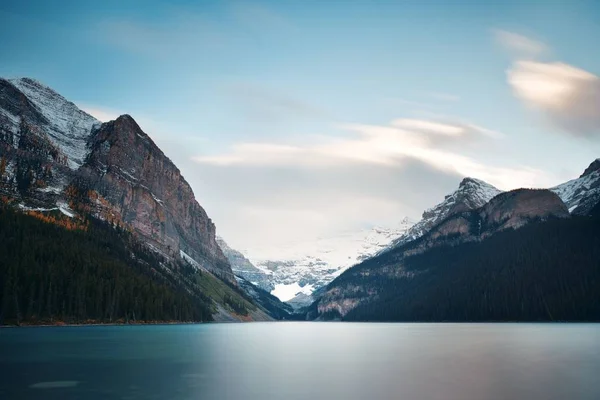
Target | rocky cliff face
(42,141)
(128,178)
(242,267)
(471,194)
(581,194)
(509,210)
(53,155)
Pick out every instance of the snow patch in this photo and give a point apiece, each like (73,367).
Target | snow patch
(287,292)
(472,192)
(51,189)
(583,191)
(68,127)
(156,199)
(313,264)
(65,209)
(190,260)
(132,179)
(40,209)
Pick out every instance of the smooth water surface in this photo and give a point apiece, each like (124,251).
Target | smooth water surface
(302,361)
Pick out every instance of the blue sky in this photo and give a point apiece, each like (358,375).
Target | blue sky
(296,118)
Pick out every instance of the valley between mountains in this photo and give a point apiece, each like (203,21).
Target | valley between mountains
(98,225)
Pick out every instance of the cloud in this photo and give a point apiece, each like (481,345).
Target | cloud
(568,96)
(519,45)
(445,97)
(429,126)
(394,145)
(271,104)
(255,205)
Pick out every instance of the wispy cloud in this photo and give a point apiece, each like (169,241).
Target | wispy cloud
(444,97)
(271,103)
(569,96)
(403,140)
(519,45)
(367,173)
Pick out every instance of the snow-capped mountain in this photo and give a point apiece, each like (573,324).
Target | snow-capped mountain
(244,268)
(583,193)
(67,127)
(55,156)
(34,119)
(471,194)
(302,267)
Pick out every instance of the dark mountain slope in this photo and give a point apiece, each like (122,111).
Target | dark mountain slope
(271,304)
(84,272)
(505,212)
(546,271)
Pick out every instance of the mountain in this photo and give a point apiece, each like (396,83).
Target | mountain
(544,271)
(471,194)
(508,210)
(255,283)
(56,269)
(581,194)
(56,158)
(505,212)
(297,270)
(43,140)
(269,303)
(26,104)
(475,214)
(242,267)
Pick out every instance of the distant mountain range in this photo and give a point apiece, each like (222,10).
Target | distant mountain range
(298,272)
(476,236)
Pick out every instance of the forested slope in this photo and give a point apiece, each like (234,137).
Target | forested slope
(54,269)
(545,271)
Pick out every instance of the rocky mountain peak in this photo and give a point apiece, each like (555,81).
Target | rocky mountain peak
(583,193)
(515,208)
(593,167)
(133,182)
(468,181)
(471,194)
(52,117)
(55,154)
(508,210)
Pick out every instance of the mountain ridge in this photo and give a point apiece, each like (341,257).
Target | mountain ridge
(505,210)
(56,157)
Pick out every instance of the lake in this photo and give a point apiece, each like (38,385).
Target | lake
(302,361)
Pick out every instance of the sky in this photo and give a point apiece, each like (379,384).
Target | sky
(298,119)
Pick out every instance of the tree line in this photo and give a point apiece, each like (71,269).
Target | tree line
(545,271)
(50,274)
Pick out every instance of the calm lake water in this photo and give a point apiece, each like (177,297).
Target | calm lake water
(302,361)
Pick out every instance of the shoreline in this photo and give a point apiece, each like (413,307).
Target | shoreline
(64,324)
